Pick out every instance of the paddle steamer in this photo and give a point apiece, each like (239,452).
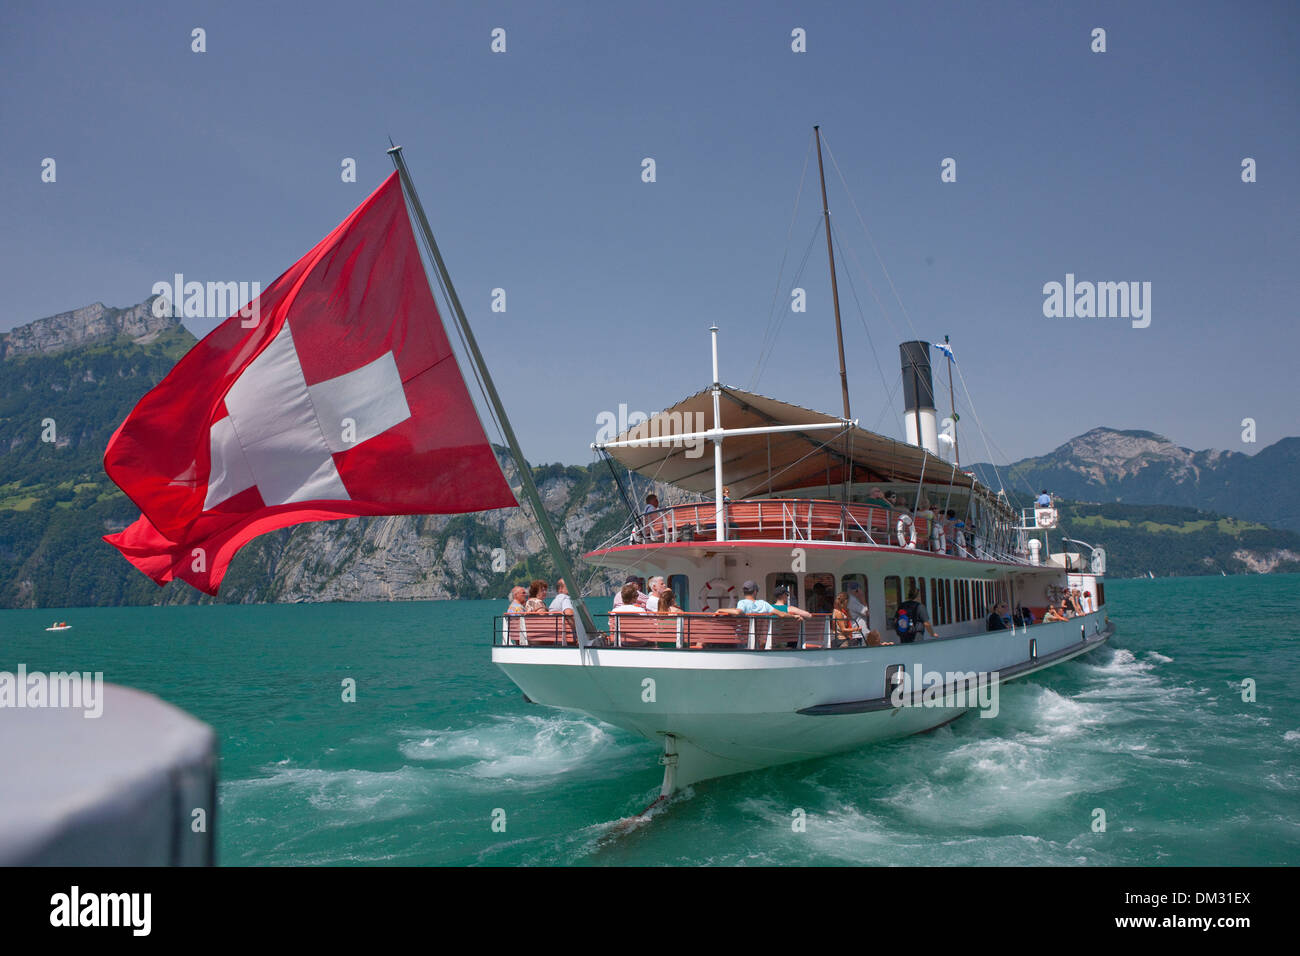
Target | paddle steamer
(814,503)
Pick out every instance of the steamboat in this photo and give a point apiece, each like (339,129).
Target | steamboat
(811,505)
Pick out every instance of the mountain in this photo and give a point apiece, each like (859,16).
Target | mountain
(1141,467)
(67,382)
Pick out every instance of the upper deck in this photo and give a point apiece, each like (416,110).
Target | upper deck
(799,521)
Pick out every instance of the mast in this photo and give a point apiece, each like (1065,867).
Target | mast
(952,404)
(719,506)
(525,473)
(835,291)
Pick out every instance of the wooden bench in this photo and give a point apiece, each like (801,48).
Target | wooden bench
(538,630)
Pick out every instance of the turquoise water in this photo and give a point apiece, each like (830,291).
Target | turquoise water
(1152,730)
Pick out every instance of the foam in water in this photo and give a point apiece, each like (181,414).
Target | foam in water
(516,746)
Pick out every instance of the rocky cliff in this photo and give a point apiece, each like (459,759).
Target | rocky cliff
(85,326)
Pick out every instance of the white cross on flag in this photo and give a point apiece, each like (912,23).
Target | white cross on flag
(344,400)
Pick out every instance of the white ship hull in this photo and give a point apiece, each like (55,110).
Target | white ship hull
(737,711)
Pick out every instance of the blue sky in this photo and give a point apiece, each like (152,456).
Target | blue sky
(1115,166)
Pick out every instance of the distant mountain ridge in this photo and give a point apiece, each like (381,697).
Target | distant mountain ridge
(85,369)
(1142,467)
(85,326)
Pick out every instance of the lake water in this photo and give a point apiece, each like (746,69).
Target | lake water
(1152,730)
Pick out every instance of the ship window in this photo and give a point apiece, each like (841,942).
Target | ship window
(781,579)
(680,585)
(965,601)
(1101,594)
(940,609)
(947,601)
(819,593)
(934,600)
(892,599)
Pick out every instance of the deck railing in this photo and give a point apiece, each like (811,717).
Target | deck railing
(799,520)
(688,631)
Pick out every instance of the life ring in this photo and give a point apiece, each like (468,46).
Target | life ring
(906,532)
(716,593)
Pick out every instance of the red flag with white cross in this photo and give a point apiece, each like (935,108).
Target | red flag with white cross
(342,399)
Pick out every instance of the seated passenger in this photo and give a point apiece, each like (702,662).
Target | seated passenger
(517,597)
(749,603)
(877,499)
(782,596)
(538,590)
(1052,614)
(1044,500)
(638,597)
(845,631)
(668,603)
(535,606)
(562,604)
(627,601)
(997,620)
(657,588)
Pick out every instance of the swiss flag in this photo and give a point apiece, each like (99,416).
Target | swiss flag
(344,399)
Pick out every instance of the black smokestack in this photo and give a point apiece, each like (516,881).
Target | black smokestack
(918,383)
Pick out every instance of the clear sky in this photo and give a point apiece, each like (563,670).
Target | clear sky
(1117,166)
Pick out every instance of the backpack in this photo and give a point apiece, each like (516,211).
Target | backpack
(905,619)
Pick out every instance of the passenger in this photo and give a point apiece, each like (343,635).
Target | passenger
(782,595)
(656,589)
(749,603)
(647,515)
(1044,500)
(857,606)
(950,531)
(845,629)
(640,597)
(820,601)
(1053,614)
(877,499)
(1077,600)
(911,617)
(628,603)
(1087,596)
(668,603)
(535,606)
(997,620)
(518,595)
(562,603)
(538,590)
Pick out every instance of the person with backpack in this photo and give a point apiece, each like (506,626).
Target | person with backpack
(910,618)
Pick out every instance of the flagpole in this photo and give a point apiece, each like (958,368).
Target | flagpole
(525,473)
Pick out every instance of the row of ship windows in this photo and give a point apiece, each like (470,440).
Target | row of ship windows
(948,600)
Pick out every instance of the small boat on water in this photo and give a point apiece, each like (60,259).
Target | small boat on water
(60,626)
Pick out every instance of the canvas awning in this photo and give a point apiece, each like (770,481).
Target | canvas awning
(769,464)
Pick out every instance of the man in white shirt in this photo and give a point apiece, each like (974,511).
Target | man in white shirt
(562,604)
(857,607)
(656,585)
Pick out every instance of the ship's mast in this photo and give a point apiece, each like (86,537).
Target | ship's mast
(835,291)
(558,556)
(952,404)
